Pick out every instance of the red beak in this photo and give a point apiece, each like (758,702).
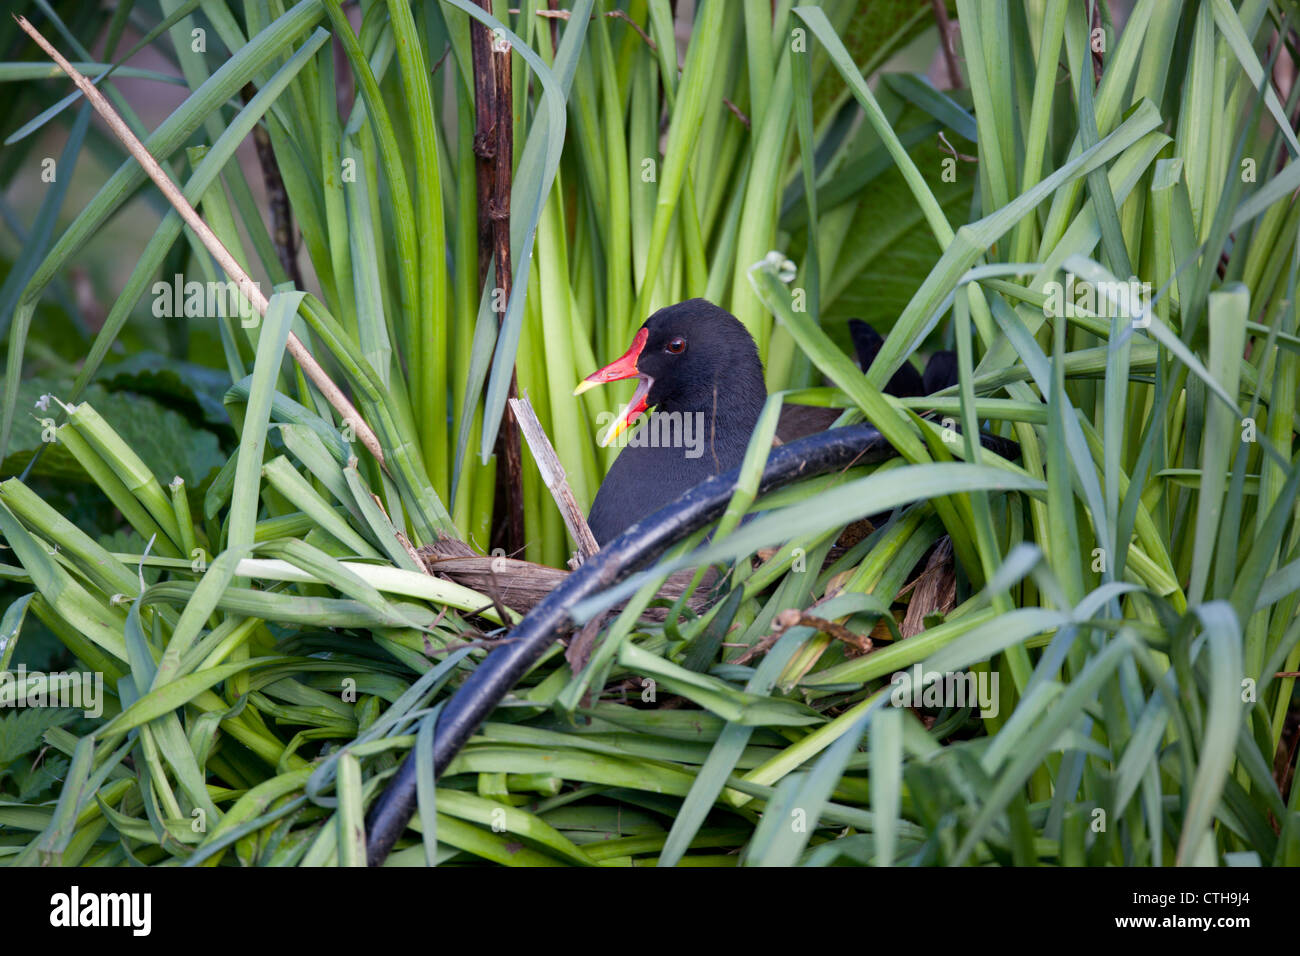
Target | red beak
(621,368)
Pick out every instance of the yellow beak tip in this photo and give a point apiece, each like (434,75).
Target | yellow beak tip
(618,428)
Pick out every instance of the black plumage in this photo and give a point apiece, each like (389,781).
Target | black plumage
(699,367)
(905,383)
(715,386)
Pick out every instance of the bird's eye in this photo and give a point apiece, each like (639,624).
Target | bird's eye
(676,345)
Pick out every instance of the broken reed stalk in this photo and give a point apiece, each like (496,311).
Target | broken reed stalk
(247,288)
(494,150)
(548,463)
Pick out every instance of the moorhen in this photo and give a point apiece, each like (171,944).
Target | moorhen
(698,366)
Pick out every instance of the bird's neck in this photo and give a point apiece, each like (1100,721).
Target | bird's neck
(727,410)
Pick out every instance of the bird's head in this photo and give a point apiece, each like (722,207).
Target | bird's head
(691,356)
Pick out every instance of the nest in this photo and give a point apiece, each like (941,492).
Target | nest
(521,585)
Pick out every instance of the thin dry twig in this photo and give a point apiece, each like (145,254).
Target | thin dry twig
(442,59)
(488,643)
(579,650)
(612,14)
(736,109)
(946,43)
(283,234)
(953,152)
(796,618)
(619,14)
(494,592)
(247,288)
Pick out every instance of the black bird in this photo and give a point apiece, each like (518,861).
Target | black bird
(940,371)
(906,382)
(698,366)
